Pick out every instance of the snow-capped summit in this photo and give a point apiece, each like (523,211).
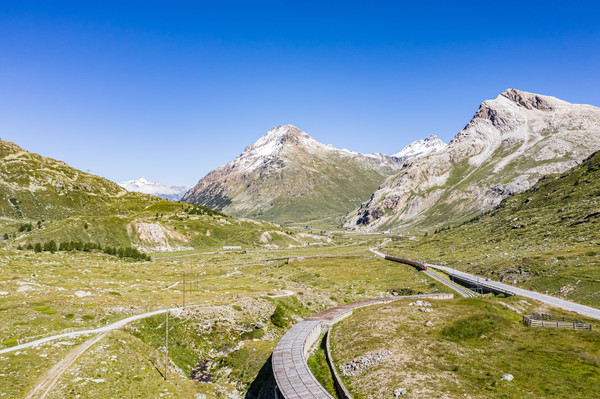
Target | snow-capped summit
(141,185)
(421,148)
(288,175)
(271,144)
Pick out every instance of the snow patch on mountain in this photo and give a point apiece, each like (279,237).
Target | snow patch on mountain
(421,148)
(141,185)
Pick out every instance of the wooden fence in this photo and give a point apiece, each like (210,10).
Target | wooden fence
(546,320)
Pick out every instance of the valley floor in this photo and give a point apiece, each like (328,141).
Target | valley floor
(235,313)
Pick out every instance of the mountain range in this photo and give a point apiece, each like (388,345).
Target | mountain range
(509,144)
(141,185)
(287,176)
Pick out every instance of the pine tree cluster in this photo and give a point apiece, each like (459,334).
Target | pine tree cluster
(67,246)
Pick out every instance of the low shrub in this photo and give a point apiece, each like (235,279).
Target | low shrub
(279,317)
(237,358)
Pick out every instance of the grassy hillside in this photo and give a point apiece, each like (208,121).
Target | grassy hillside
(42,199)
(546,238)
(329,194)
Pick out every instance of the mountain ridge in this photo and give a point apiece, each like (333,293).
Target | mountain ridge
(287,176)
(510,143)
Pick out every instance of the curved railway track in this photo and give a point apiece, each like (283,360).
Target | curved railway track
(465,292)
(293,377)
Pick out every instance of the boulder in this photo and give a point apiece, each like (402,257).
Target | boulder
(420,303)
(258,325)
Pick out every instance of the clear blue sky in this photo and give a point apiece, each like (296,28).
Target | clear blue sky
(171,90)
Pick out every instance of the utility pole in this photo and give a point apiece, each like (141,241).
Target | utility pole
(166,343)
(184,289)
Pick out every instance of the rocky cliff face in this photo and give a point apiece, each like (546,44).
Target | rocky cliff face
(287,176)
(509,144)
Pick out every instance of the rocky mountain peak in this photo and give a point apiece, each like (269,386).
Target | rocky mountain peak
(532,100)
(508,109)
(280,135)
(432,139)
(421,148)
(511,142)
(271,145)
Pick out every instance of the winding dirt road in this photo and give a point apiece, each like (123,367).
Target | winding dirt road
(48,380)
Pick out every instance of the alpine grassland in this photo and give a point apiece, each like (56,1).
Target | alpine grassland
(463,348)
(227,328)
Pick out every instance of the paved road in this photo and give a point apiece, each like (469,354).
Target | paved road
(467,293)
(547,299)
(376,252)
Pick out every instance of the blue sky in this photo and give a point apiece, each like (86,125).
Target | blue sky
(171,90)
